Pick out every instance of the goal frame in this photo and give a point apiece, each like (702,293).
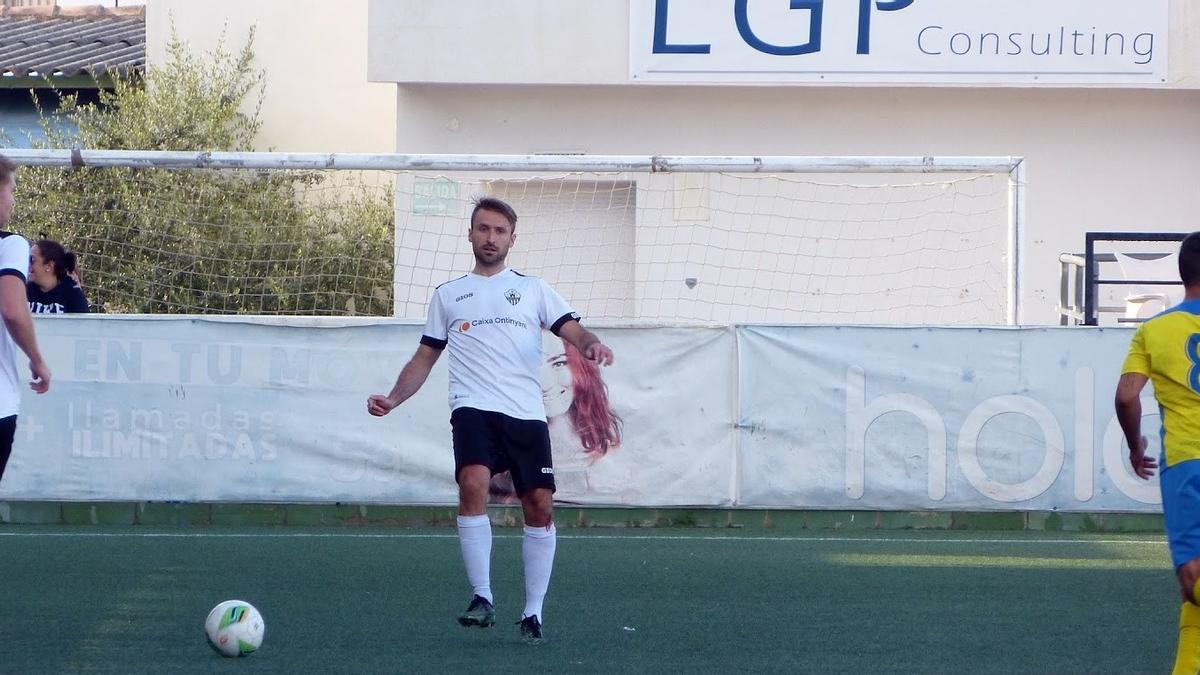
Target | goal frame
(1013,166)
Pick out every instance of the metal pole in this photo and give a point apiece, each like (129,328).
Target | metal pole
(1016,237)
(604,163)
(1089,278)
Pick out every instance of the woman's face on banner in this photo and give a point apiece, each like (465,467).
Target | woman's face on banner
(558,390)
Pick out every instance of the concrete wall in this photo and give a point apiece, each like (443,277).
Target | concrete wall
(318,98)
(1097,158)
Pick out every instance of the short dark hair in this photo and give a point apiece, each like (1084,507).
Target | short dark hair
(8,169)
(494,204)
(1189,259)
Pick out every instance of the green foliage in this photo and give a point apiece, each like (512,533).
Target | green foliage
(190,102)
(205,241)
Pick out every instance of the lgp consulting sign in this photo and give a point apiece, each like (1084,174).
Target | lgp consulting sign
(980,42)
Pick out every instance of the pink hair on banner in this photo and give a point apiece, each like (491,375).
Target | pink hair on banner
(598,427)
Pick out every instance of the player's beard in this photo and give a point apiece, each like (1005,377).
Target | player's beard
(489,258)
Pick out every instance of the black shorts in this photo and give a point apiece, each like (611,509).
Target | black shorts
(8,429)
(503,443)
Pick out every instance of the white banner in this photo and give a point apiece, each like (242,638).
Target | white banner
(196,410)
(830,418)
(936,418)
(972,42)
(202,410)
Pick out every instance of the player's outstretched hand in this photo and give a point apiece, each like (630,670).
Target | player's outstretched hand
(600,353)
(379,405)
(1142,465)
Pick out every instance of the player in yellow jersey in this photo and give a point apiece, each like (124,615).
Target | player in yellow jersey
(1166,351)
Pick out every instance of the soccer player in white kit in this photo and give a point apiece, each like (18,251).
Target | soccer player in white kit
(490,321)
(16,323)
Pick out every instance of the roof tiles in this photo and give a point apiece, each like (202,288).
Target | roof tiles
(65,42)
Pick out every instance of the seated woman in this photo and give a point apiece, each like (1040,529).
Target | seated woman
(51,288)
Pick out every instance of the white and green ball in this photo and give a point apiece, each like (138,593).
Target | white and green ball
(234,628)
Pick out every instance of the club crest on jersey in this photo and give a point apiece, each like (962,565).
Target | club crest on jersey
(512,296)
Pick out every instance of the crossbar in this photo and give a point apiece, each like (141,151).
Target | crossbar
(406,162)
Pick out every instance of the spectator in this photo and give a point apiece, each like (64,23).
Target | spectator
(52,287)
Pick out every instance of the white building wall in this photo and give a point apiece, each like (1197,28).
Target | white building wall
(1097,158)
(314,52)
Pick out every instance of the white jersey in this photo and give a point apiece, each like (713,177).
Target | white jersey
(14,260)
(493,328)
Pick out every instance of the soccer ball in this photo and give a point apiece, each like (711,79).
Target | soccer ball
(234,628)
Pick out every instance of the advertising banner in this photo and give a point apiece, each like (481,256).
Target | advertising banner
(936,418)
(202,410)
(821,417)
(922,42)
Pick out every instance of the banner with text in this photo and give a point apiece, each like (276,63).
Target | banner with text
(969,42)
(936,418)
(146,409)
(797,416)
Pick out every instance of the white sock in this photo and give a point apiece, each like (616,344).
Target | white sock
(537,550)
(475,536)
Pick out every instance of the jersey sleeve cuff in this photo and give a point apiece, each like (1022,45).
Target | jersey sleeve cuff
(570,316)
(433,342)
(16,273)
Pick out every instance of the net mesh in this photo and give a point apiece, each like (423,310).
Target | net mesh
(711,248)
(726,248)
(219,242)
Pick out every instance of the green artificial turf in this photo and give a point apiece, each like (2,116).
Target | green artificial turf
(355,600)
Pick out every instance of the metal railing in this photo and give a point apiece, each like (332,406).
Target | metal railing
(1080,280)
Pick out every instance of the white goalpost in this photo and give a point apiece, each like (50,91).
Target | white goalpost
(629,239)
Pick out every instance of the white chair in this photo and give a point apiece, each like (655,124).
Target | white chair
(1146,300)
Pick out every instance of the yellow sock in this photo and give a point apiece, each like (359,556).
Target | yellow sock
(1187,659)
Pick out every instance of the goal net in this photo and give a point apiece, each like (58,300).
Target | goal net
(709,245)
